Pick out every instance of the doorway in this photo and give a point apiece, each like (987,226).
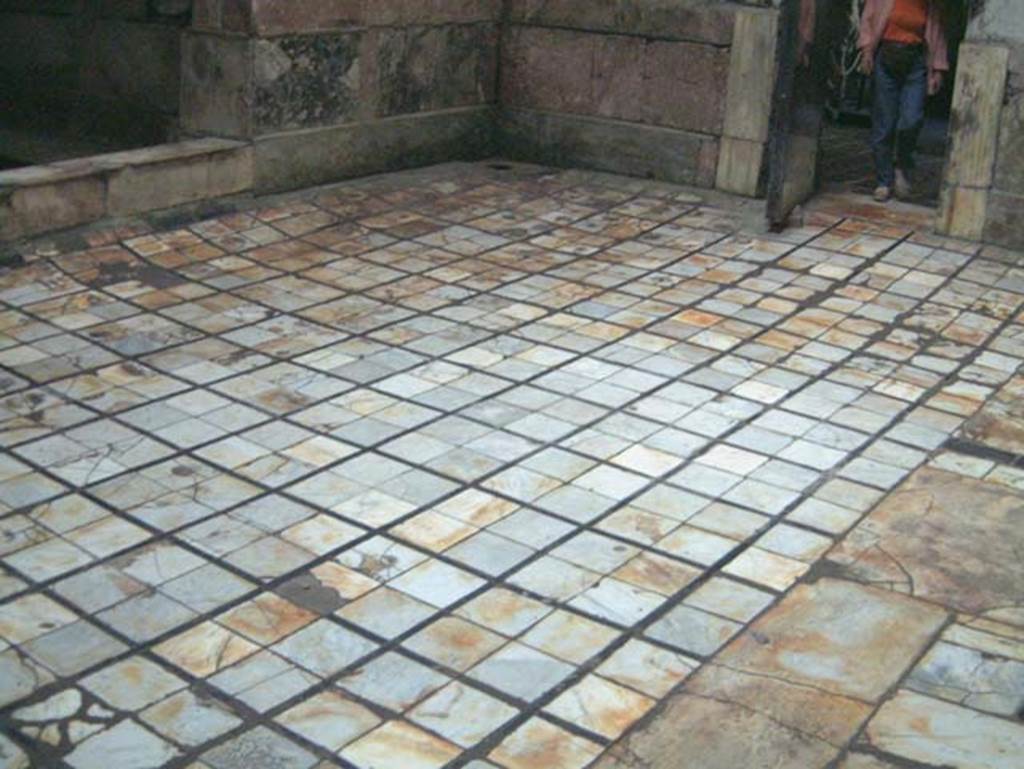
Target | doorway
(820,137)
(88,77)
(845,156)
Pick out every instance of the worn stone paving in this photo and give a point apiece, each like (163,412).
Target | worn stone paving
(510,467)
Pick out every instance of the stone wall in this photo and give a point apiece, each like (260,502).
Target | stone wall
(633,86)
(329,89)
(110,67)
(983,191)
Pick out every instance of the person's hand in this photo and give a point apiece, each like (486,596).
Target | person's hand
(867,63)
(935,79)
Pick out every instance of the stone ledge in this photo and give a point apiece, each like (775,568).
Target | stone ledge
(52,197)
(634,149)
(684,20)
(94,164)
(310,157)
(269,18)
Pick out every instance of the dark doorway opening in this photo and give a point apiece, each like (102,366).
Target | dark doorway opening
(845,163)
(85,77)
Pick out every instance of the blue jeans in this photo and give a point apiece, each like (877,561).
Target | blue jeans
(897,116)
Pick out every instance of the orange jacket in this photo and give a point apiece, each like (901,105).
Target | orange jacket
(872,26)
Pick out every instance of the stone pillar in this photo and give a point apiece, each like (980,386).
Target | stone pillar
(970,167)
(216,75)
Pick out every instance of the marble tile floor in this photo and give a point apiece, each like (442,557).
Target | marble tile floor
(470,467)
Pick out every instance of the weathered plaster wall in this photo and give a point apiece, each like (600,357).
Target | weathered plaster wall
(110,66)
(636,86)
(336,88)
(997,20)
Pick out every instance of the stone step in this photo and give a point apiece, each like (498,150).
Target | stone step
(69,193)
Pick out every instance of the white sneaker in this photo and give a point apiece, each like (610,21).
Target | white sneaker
(882,193)
(903,188)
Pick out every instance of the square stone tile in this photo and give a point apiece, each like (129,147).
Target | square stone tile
(454,643)
(133,683)
(126,744)
(144,617)
(648,669)
(329,719)
(393,681)
(569,637)
(263,680)
(266,619)
(462,714)
(73,648)
(31,616)
(693,631)
(538,741)
(436,583)
(324,647)
(521,672)
(259,745)
(504,611)
(204,649)
(398,745)
(600,706)
(189,720)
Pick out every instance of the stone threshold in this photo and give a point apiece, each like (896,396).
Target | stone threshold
(70,193)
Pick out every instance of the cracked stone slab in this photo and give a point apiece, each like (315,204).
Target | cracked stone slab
(937,733)
(690,729)
(1000,425)
(836,637)
(980,667)
(944,538)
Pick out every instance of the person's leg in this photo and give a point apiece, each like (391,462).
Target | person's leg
(911,115)
(884,118)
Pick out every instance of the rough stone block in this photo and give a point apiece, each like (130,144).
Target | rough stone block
(272,17)
(547,69)
(405,12)
(304,81)
(617,80)
(1004,220)
(609,145)
(67,202)
(1009,165)
(297,159)
(668,83)
(216,85)
(683,86)
(694,20)
(422,69)
(224,15)
(181,173)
